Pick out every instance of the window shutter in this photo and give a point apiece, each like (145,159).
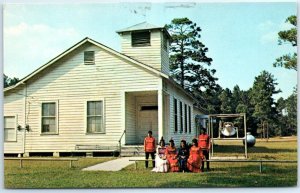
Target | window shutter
(140,38)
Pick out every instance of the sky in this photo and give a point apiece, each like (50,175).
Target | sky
(241,37)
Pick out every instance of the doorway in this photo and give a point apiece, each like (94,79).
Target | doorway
(147,119)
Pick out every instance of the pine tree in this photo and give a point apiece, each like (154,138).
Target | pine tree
(262,97)
(226,101)
(188,57)
(188,63)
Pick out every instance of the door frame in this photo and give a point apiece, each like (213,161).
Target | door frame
(138,107)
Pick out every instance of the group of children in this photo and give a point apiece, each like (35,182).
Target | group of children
(184,159)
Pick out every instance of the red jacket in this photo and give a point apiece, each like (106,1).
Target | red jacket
(204,141)
(149,144)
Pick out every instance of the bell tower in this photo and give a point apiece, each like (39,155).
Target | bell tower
(148,44)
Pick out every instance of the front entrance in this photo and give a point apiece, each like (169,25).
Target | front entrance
(147,120)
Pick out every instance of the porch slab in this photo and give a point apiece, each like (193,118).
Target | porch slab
(113,165)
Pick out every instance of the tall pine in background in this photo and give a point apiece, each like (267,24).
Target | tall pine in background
(262,99)
(189,61)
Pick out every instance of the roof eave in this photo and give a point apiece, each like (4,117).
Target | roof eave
(180,88)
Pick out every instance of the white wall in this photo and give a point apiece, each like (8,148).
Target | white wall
(14,106)
(71,83)
(180,96)
(154,55)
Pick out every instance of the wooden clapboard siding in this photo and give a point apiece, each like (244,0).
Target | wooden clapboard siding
(166,117)
(14,106)
(150,55)
(165,63)
(180,96)
(71,83)
(130,118)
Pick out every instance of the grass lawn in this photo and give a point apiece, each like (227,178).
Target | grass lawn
(39,174)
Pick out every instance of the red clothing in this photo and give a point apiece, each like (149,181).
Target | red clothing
(204,141)
(194,162)
(149,144)
(171,154)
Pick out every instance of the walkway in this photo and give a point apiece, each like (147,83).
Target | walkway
(113,165)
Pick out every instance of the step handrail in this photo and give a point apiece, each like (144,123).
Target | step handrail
(120,146)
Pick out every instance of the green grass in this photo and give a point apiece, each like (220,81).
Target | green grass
(39,174)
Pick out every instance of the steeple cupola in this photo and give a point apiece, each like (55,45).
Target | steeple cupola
(148,44)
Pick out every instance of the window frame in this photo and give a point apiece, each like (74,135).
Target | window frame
(181,116)
(190,118)
(141,44)
(185,119)
(86,116)
(175,111)
(56,117)
(88,62)
(15,129)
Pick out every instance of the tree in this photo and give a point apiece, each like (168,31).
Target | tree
(236,97)
(188,57)
(9,81)
(287,116)
(188,64)
(282,120)
(288,61)
(226,101)
(291,108)
(261,97)
(210,101)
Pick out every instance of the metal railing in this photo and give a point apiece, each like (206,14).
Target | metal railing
(120,146)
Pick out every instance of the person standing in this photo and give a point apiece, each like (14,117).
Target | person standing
(194,162)
(149,147)
(204,144)
(183,155)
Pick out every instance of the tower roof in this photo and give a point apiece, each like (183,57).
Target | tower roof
(143,26)
(139,26)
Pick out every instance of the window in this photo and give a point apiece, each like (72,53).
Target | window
(10,128)
(89,57)
(140,38)
(149,108)
(175,116)
(49,119)
(185,118)
(181,118)
(95,123)
(190,120)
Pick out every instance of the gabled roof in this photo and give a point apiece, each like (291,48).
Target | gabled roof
(144,26)
(110,50)
(85,40)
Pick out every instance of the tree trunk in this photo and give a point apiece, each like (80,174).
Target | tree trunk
(182,66)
